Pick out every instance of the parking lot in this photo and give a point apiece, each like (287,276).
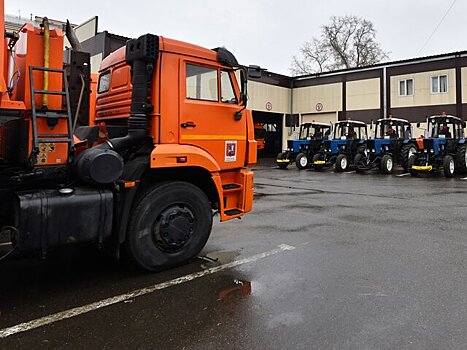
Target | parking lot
(325,261)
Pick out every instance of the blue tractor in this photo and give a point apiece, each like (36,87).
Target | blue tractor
(443,147)
(302,150)
(387,148)
(348,140)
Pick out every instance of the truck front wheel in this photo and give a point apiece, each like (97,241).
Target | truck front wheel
(170,224)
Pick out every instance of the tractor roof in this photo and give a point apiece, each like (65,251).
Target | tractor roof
(405,121)
(445,116)
(354,122)
(318,124)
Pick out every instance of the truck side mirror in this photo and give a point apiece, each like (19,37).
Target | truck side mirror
(254,72)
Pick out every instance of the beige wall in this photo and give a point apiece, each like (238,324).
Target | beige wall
(320,117)
(422,95)
(260,94)
(363,94)
(329,95)
(464,84)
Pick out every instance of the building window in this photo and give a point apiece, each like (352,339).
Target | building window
(439,84)
(201,83)
(406,87)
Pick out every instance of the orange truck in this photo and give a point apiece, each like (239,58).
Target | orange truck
(260,137)
(169,144)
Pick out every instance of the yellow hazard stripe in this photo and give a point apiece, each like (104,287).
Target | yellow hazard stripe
(282,160)
(319,162)
(214,137)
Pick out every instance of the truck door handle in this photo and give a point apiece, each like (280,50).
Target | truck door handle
(188,125)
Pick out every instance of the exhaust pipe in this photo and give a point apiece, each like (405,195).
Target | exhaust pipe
(72,38)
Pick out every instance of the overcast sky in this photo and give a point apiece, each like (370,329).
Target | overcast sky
(267,33)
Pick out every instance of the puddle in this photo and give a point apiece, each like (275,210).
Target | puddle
(239,289)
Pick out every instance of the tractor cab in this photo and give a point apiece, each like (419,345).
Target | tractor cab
(311,136)
(348,137)
(384,150)
(443,147)
(445,127)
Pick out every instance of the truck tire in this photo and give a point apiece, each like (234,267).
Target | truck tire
(170,224)
(461,159)
(281,156)
(387,164)
(317,157)
(342,163)
(406,152)
(449,166)
(301,161)
(358,158)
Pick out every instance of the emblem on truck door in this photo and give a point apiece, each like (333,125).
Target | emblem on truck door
(230,151)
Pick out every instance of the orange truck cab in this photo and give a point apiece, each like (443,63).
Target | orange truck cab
(169,143)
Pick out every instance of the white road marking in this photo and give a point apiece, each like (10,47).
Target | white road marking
(350,172)
(404,174)
(5,244)
(464,178)
(43,321)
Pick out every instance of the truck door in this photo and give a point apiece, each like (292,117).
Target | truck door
(209,101)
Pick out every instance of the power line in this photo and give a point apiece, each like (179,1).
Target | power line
(434,31)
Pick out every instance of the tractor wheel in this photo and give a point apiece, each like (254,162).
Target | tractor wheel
(406,152)
(281,156)
(411,161)
(170,224)
(461,159)
(449,166)
(317,157)
(358,158)
(342,163)
(301,161)
(387,164)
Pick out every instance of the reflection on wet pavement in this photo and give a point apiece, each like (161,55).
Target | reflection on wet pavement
(241,288)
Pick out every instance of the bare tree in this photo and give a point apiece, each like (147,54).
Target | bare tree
(346,42)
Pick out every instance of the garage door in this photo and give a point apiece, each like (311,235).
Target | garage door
(319,117)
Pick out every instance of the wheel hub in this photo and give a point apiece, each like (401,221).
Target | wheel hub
(344,163)
(451,166)
(303,161)
(389,164)
(173,228)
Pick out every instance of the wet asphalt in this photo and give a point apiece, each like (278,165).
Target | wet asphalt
(371,262)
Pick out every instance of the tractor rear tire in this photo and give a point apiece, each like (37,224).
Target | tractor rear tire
(302,161)
(461,159)
(342,163)
(387,164)
(281,156)
(317,157)
(358,158)
(406,152)
(449,166)
(170,224)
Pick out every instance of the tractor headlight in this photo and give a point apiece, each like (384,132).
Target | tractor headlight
(426,151)
(373,151)
(432,151)
(343,147)
(386,148)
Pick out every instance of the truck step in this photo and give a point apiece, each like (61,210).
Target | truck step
(232,212)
